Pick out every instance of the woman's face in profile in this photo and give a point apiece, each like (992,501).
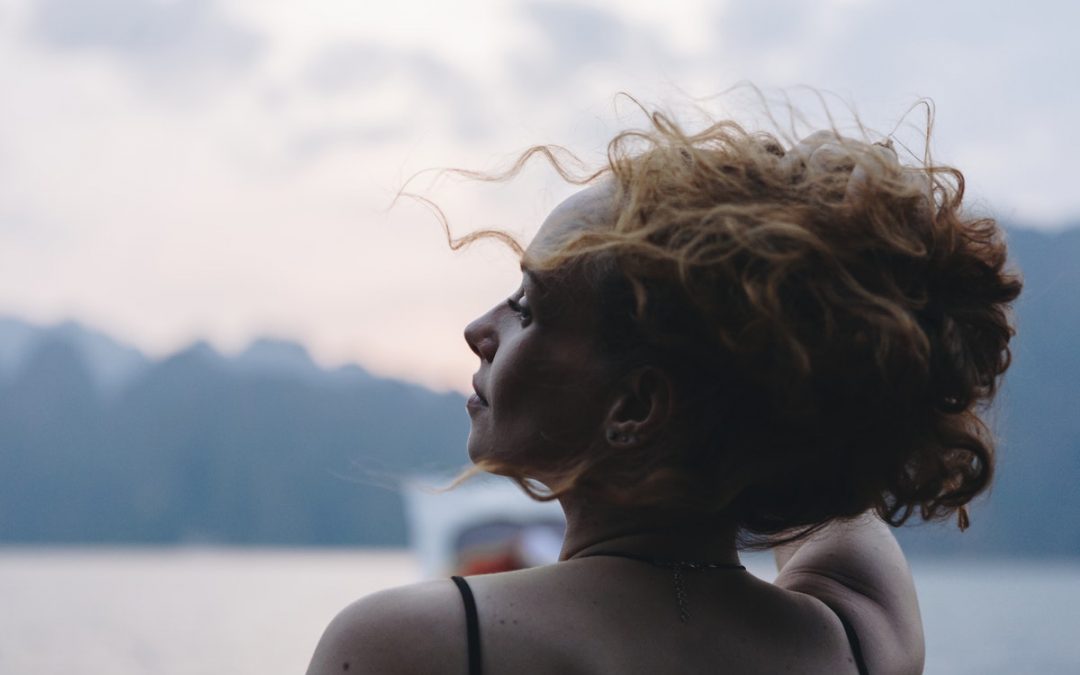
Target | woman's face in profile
(540,391)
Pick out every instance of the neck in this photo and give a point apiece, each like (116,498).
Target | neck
(593,528)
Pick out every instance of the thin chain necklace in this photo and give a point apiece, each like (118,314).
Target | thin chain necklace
(677,568)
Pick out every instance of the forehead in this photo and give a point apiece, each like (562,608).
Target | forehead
(565,299)
(591,207)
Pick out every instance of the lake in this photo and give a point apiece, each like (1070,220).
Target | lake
(194,611)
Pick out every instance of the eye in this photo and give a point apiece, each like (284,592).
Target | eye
(519,305)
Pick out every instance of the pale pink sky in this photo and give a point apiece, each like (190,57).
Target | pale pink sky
(221,169)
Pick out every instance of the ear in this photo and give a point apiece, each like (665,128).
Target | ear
(642,407)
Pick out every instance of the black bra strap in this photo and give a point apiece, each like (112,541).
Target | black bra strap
(472,624)
(856,648)
(472,629)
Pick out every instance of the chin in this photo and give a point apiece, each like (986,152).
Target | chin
(495,463)
(477,449)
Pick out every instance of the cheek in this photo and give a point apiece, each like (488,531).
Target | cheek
(545,404)
(555,417)
(536,427)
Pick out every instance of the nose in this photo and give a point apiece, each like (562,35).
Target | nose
(481,337)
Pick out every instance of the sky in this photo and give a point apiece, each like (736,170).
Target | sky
(174,170)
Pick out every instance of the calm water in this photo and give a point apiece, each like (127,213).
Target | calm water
(121,612)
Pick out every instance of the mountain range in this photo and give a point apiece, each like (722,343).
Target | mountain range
(101,444)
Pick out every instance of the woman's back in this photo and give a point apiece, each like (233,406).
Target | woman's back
(603,615)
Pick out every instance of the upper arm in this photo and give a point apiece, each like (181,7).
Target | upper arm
(858,570)
(402,631)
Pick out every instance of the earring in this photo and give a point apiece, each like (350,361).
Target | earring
(619,437)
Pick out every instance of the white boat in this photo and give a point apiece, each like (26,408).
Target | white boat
(485,525)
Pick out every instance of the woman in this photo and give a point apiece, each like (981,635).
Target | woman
(721,342)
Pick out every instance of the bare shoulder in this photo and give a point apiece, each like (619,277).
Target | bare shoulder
(400,631)
(856,572)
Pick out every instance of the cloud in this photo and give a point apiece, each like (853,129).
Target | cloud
(568,38)
(172,36)
(766,25)
(315,143)
(572,47)
(373,71)
(346,66)
(996,71)
(356,65)
(578,35)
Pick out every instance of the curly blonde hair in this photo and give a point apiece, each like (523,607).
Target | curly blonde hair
(833,319)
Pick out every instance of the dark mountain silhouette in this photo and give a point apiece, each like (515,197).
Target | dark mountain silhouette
(112,364)
(264,448)
(1034,504)
(100,444)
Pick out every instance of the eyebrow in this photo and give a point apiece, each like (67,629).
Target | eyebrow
(532,277)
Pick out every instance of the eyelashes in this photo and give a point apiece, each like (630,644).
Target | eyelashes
(518,306)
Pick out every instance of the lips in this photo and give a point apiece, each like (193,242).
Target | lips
(477,399)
